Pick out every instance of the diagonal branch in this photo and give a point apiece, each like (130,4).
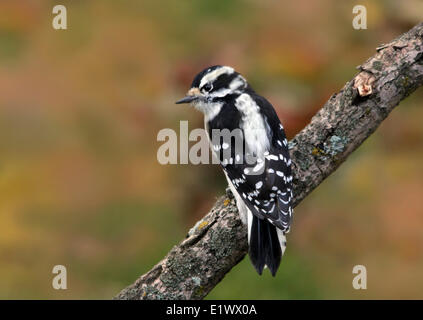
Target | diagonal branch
(219,241)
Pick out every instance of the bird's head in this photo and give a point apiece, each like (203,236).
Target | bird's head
(212,86)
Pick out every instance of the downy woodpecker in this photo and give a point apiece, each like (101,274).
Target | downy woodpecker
(258,173)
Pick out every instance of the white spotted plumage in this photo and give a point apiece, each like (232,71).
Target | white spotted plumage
(262,187)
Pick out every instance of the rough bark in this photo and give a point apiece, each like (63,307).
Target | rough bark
(219,241)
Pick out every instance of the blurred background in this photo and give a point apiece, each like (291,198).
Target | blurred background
(80,109)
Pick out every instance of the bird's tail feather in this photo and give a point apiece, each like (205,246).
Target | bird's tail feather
(266,245)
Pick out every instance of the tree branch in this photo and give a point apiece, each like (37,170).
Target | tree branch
(219,241)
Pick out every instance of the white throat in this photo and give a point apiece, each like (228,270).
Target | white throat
(210,109)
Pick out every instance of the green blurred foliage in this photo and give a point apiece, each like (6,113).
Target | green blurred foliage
(80,110)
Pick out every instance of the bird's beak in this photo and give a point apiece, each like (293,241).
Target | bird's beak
(192,95)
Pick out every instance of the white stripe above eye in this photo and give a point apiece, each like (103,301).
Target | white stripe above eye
(213,75)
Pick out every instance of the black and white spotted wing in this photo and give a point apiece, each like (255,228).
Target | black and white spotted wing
(265,185)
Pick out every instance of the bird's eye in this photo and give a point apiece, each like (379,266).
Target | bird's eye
(207,87)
